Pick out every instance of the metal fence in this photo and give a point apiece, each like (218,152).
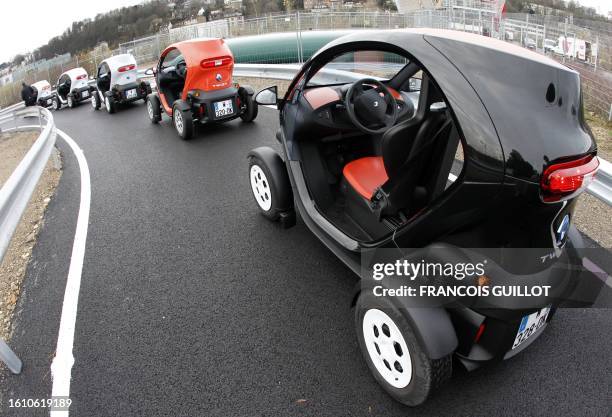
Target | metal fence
(17,190)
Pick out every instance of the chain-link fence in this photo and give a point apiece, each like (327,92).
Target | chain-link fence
(584,45)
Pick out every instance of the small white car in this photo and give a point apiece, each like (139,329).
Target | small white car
(44,96)
(72,88)
(117,83)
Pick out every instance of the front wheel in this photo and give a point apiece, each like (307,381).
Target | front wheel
(153,108)
(95,100)
(394,354)
(183,122)
(71,102)
(251,110)
(56,103)
(271,190)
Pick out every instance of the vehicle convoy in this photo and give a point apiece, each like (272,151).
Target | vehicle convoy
(413,149)
(72,88)
(44,97)
(117,83)
(194,85)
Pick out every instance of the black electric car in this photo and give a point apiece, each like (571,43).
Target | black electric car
(456,145)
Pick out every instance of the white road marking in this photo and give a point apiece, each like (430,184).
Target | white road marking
(61,367)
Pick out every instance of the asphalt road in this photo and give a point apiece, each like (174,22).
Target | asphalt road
(192,304)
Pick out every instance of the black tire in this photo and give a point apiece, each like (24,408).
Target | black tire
(153,108)
(270,187)
(427,374)
(95,100)
(183,122)
(251,110)
(57,104)
(110,104)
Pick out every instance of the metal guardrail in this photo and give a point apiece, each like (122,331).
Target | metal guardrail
(17,190)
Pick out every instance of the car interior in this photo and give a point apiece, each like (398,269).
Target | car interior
(104,78)
(171,76)
(63,86)
(376,151)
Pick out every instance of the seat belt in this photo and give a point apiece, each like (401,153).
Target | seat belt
(380,202)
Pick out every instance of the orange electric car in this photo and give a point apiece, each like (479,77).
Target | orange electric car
(194,84)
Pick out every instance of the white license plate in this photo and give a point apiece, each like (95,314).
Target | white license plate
(529,325)
(130,93)
(85,94)
(223,108)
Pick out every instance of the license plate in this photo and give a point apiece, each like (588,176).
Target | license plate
(223,108)
(529,325)
(130,93)
(85,93)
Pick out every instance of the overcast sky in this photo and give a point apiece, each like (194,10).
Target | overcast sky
(28,24)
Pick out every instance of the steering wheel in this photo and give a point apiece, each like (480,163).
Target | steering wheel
(181,69)
(372,110)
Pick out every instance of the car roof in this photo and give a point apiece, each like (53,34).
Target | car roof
(195,50)
(117,61)
(75,72)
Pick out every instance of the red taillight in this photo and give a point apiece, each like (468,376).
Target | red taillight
(81,77)
(216,62)
(127,68)
(479,333)
(566,178)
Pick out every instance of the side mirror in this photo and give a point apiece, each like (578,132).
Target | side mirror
(149,71)
(267,96)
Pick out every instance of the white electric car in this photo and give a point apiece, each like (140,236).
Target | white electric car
(117,83)
(44,97)
(72,88)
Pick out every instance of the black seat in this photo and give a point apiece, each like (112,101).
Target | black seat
(407,150)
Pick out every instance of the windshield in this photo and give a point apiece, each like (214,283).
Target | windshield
(354,65)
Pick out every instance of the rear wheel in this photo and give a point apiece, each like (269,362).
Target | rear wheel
(183,122)
(56,103)
(110,104)
(95,100)
(251,110)
(153,108)
(394,354)
(71,102)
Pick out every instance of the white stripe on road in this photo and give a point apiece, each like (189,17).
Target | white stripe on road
(61,367)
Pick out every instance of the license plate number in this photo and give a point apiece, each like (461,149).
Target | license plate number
(223,108)
(529,325)
(130,93)
(85,93)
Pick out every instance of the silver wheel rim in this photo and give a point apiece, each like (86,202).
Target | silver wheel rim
(178,121)
(261,188)
(387,348)
(54,103)
(93,100)
(69,101)
(107,104)
(150,109)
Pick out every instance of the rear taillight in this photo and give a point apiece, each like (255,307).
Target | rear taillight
(81,77)
(126,68)
(567,178)
(216,62)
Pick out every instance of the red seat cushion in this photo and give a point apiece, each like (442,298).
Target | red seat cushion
(366,174)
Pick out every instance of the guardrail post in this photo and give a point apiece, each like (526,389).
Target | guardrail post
(9,358)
